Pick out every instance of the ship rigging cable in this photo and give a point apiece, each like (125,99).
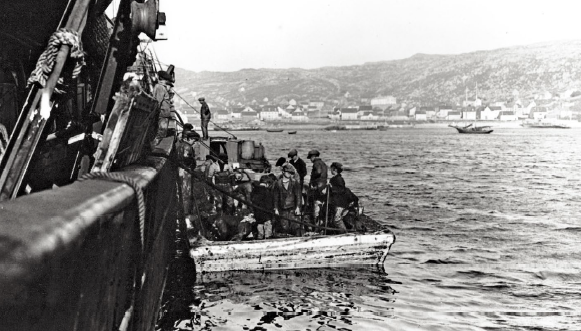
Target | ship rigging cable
(156,59)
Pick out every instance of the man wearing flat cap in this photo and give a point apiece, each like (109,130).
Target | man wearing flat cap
(282,162)
(287,201)
(337,195)
(318,182)
(205,116)
(299,164)
(162,92)
(319,173)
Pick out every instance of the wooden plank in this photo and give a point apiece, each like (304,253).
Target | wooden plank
(347,250)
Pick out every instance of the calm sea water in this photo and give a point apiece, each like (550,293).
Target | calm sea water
(488,237)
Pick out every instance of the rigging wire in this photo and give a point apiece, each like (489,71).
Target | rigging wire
(197,111)
(154,55)
(64,13)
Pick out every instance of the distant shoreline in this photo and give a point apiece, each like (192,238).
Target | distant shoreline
(417,125)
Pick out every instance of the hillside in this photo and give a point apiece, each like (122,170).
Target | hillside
(554,67)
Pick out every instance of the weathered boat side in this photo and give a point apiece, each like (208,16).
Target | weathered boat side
(72,258)
(294,253)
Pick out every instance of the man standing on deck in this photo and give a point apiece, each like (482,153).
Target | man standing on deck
(319,173)
(318,183)
(163,94)
(205,116)
(299,164)
(287,201)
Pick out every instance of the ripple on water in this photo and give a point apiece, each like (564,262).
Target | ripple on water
(505,200)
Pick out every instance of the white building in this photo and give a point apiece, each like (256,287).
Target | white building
(222,115)
(349,114)
(237,112)
(299,115)
(269,113)
(421,115)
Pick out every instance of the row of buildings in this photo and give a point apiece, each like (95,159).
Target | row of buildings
(386,109)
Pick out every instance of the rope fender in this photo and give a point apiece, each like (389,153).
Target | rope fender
(47,60)
(121,178)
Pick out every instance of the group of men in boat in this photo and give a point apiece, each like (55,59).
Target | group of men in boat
(284,200)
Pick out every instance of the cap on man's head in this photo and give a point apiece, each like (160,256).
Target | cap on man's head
(337,166)
(164,75)
(292,153)
(313,152)
(209,157)
(280,161)
(288,168)
(265,179)
(202,99)
(188,126)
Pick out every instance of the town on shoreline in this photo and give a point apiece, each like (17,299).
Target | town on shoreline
(385,112)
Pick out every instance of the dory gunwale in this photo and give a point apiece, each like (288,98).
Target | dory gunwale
(344,250)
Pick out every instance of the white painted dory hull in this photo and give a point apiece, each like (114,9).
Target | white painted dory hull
(294,253)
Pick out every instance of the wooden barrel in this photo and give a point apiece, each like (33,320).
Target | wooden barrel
(247,149)
(259,151)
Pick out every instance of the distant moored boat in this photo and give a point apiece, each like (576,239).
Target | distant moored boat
(469,129)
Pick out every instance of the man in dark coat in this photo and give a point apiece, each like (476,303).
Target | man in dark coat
(318,174)
(299,164)
(318,183)
(162,92)
(205,116)
(287,201)
(337,200)
(263,199)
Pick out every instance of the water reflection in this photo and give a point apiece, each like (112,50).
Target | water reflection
(333,298)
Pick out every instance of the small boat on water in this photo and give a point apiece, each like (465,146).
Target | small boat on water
(274,130)
(292,132)
(345,250)
(396,125)
(237,128)
(543,124)
(469,129)
(227,248)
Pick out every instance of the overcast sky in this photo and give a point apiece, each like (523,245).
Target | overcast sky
(229,35)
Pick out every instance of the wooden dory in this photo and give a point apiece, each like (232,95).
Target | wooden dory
(346,250)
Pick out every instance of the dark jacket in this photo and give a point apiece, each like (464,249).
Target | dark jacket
(290,198)
(319,174)
(262,197)
(205,113)
(300,166)
(340,196)
(185,153)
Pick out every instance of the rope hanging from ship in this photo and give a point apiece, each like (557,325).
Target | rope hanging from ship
(121,178)
(219,189)
(47,60)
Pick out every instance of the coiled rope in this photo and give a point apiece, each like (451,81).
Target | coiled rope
(47,60)
(121,178)
(4,137)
